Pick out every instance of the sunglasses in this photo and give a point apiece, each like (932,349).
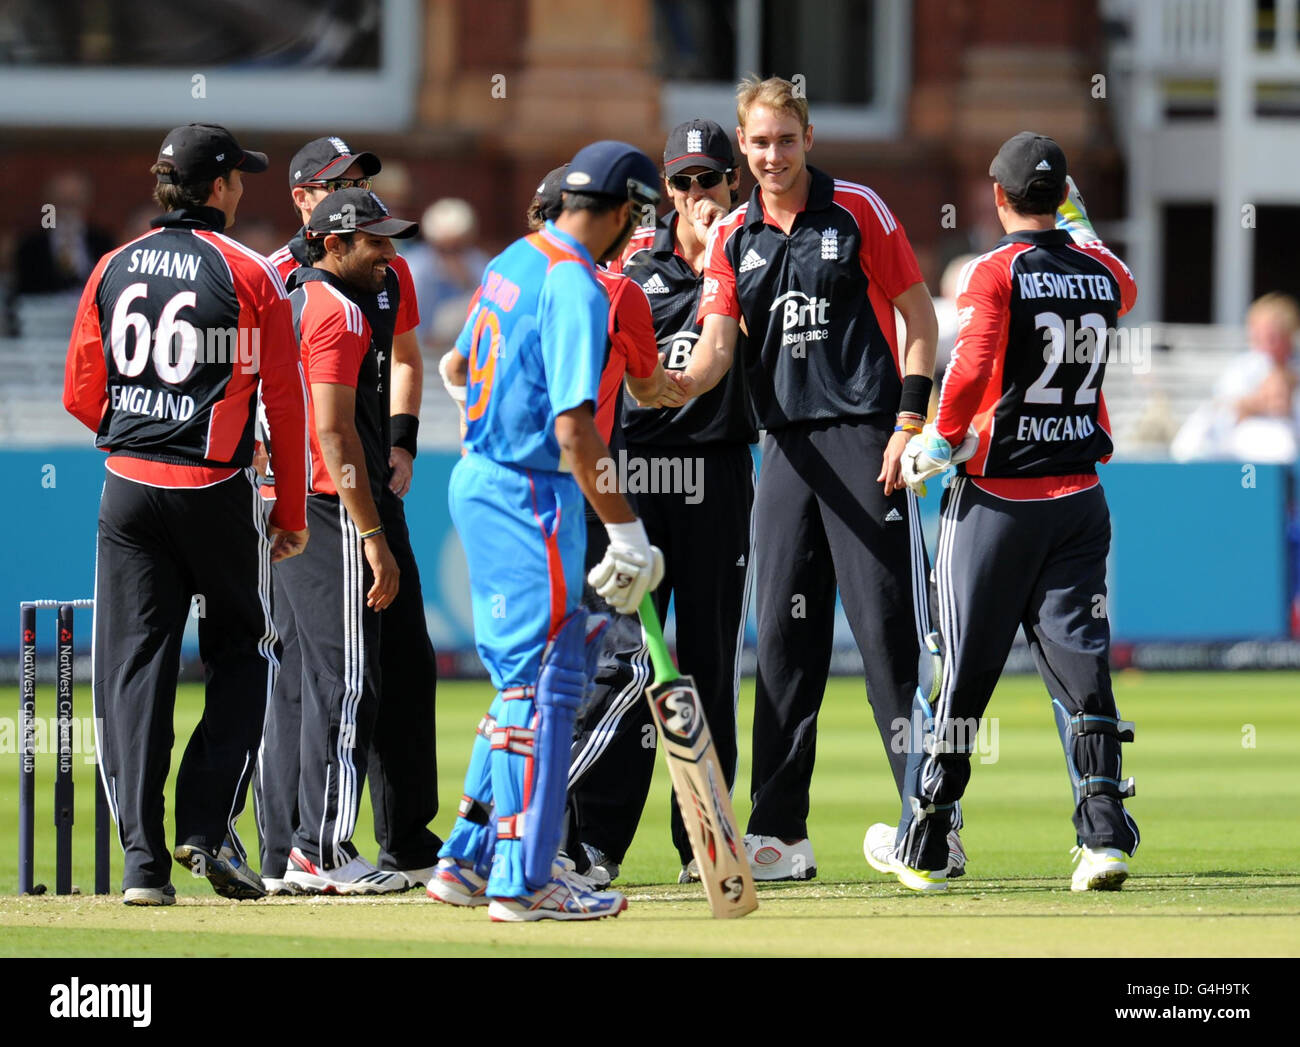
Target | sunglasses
(335,184)
(707,180)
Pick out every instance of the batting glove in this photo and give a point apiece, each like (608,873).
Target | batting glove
(630,568)
(927,454)
(1072,216)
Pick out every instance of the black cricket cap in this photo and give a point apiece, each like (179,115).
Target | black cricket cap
(609,168)
(698,143)
(1030,163)
(324,158)
(357,210)
(201,152)
(549,193)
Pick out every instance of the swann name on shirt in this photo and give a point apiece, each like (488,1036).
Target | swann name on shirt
(175,264)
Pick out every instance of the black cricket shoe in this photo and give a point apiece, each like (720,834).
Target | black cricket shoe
(228,873)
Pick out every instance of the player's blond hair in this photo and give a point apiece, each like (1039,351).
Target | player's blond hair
(773,93)
(1281,307)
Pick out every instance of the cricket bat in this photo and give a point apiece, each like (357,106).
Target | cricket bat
(698,780)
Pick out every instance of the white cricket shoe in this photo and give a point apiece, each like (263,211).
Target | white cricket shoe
(149,895)
(356,877)
(603,870)
(878,847)
(956,855)
(771,858)
(416,877)
(1101,870)
(565,898)
(278,886)
(455,882)
(690,872)
(921,879)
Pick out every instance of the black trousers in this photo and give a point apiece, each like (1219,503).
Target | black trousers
(401,761)
(157,549)
(403,772)
(1004,565)
(821,519)
(338,636)
(704,534)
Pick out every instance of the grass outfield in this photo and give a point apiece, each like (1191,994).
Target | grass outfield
(1217,873)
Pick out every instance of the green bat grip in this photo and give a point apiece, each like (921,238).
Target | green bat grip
(665,670)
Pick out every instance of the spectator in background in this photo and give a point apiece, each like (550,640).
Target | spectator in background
(446,268)
(60,255)
(1255,413)
(260,235)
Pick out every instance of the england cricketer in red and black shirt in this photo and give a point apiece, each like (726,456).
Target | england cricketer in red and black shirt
(174,332)
(1025,529)
(815,267)
(337,594)
(402,771)
(702,525)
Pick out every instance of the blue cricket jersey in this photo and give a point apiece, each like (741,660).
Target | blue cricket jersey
(535,339)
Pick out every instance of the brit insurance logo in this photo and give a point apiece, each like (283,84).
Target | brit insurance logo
(677,349)
(803,320)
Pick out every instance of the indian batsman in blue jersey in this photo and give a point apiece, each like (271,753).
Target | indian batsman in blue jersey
(534,344)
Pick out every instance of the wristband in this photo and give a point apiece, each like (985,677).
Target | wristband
(916,395)
(907,428)
(374,532)
(405,430)
(630,534)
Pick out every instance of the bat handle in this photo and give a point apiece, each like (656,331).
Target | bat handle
(665,670)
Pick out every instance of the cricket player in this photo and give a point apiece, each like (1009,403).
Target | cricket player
(702,526)
(402,771)
(1024,529)
(815,267)
(528,365)
(336,595)
(173,335)
(632,360)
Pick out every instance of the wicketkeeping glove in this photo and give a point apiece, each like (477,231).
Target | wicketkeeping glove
(630,568)
(927,454)
(1072,216)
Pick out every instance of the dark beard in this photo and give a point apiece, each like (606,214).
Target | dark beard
(624,233)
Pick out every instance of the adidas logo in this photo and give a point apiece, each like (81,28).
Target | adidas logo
(168,151)
(892,515)
(741,562)
(1043,165)
(752,260)
(655,285)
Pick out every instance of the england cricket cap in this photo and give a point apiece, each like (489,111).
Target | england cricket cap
(616,169)
(548,193)
(1030,163)
(324,158)
(200,152)
(698,143)
(357,210)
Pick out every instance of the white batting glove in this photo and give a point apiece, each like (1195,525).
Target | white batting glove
(927,454)
(630,568)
